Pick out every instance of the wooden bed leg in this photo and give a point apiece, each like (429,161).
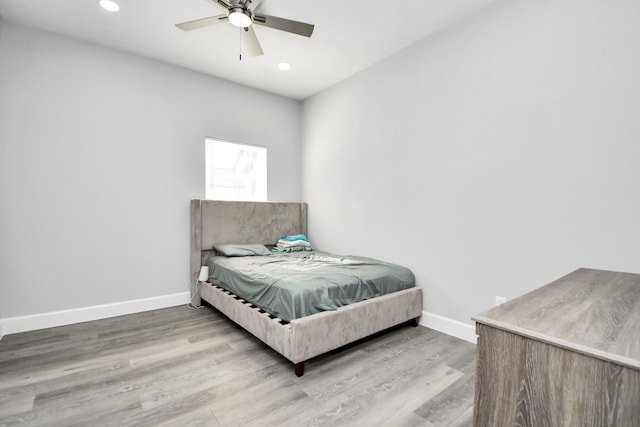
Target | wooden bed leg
(415,322)
(299,369)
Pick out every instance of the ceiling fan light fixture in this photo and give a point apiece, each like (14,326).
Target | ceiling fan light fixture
(240,17)
(109,5)
(284,66)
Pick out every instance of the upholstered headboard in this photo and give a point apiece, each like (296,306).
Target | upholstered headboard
(215,221)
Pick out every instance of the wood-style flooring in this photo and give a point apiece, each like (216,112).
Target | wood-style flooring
(182,367)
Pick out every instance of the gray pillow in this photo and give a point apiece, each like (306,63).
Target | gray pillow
(246,249)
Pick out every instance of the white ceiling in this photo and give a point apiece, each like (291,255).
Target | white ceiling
(348,37)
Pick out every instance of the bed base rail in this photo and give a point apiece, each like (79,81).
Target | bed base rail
(307,337)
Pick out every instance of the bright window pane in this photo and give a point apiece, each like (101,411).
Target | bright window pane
(235,171)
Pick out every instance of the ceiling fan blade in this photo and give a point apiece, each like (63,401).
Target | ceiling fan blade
(250,42)
(288,25)
(202,22)
(252,4)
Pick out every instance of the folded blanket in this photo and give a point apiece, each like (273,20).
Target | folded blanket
(292,243)
(294,237)
(292,248)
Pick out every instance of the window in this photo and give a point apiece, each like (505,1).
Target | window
(235,171)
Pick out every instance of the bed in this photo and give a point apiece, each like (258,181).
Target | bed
(298,339)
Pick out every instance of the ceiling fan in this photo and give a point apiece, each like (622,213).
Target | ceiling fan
(243,15)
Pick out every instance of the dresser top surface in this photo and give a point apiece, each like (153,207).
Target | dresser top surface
(594,312)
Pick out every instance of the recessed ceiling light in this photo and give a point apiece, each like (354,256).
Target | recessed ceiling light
(284,66)
(109,5)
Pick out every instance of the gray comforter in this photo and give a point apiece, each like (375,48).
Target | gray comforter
(293,285)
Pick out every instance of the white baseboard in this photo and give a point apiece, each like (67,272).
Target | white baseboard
(448,326)
(13,325)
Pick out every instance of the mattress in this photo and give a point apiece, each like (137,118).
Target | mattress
(298,284)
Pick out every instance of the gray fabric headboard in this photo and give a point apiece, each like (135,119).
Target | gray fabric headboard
(215,221)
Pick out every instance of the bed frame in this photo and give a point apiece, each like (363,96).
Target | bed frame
(218,222)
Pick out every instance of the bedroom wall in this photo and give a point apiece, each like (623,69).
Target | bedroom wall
(1,236)
(491,158)
(100,153)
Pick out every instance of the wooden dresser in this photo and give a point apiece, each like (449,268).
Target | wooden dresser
(566,354)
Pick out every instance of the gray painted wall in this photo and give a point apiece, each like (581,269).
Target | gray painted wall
(491,158)
(100,153)
(2,286)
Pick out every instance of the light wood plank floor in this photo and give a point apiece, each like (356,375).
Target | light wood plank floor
(181,367)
